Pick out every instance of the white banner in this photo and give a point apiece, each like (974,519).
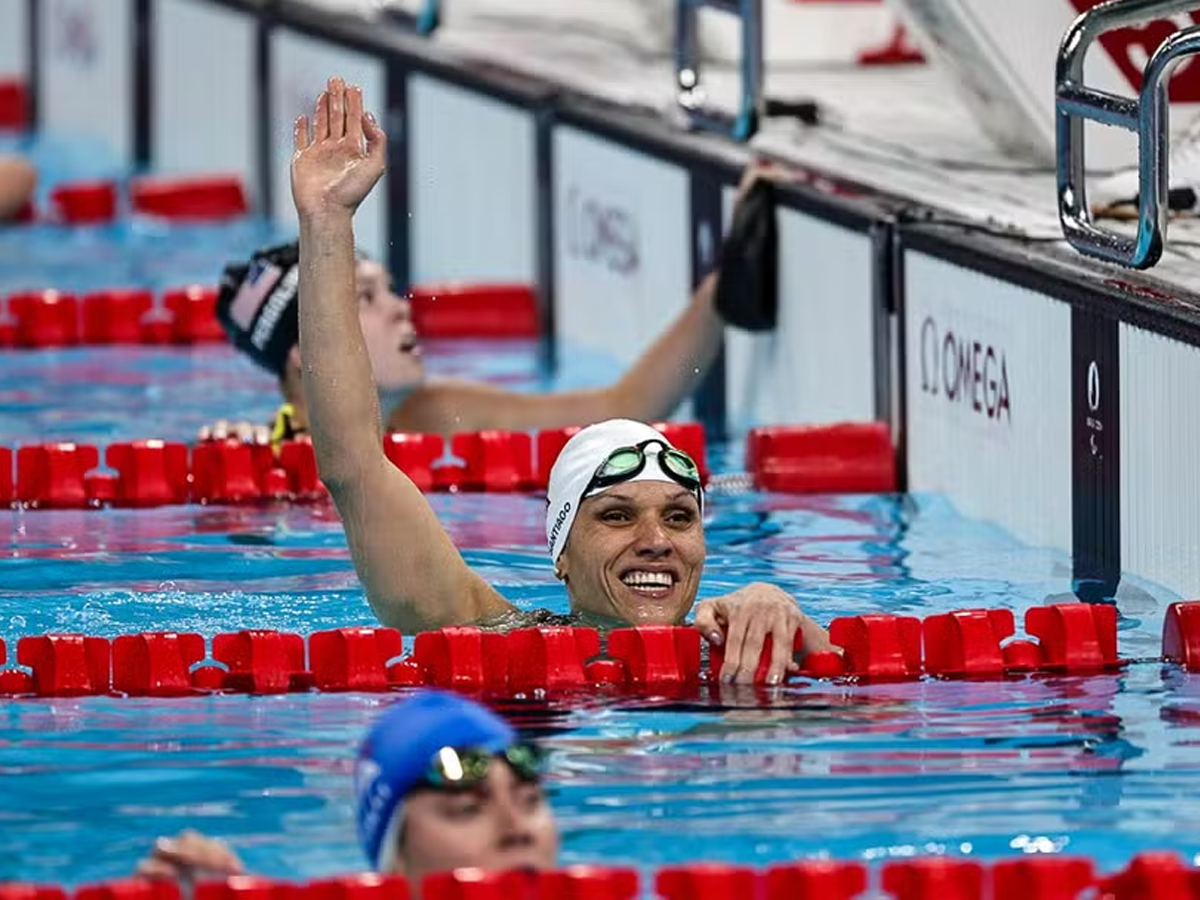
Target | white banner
(818,366)
(472,166)
(204,117)
(988,368)
(300,67)
(14,40)
(622,256)
(85,84)
(1160,477)
(1002,55)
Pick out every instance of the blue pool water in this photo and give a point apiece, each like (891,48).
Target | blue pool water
(1102,765)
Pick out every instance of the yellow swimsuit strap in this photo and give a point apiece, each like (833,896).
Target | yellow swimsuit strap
(283,428)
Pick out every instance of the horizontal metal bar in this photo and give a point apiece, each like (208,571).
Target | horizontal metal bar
(1098,106)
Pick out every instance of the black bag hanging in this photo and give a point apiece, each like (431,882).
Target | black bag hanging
(748,284)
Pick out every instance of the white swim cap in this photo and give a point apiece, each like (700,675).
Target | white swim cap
(577,464)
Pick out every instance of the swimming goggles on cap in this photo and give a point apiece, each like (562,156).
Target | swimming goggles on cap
(456,768)
(628,462)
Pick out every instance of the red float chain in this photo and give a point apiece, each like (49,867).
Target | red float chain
(1073,638)
(156,473)
(1161,875)
(128,315)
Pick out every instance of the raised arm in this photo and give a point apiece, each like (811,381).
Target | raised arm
(413,574)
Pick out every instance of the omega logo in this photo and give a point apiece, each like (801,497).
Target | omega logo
(966,371)
(602,232)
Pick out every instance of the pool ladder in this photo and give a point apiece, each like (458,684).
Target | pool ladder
(1147,115)
(690,95)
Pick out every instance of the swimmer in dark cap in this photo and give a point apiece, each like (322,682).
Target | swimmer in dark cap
(258,306)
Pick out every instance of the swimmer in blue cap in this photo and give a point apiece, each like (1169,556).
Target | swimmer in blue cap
(443,783)
(440,782)
(624,522)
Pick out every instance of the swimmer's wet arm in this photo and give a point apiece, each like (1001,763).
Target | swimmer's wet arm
(413,574)
(666,374)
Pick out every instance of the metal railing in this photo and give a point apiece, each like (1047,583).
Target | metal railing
(1147,115)
(690,94)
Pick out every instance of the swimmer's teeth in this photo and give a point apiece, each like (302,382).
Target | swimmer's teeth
(648,579)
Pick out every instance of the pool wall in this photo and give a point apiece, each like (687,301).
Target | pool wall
(1046,393)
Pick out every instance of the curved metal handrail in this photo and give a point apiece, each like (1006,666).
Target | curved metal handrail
(690,95)
(1147,116)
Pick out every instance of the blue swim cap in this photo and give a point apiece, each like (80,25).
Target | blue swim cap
(398,750)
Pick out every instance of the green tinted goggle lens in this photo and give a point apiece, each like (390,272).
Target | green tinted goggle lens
(628,460)
(463,768)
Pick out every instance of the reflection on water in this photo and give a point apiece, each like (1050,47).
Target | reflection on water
(1084,765)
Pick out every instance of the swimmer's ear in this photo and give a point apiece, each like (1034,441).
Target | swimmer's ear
(293,359)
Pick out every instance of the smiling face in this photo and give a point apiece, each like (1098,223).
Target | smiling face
(387,327)
(635,553)
(499,824)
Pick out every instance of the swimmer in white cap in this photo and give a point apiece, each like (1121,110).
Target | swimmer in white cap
(624,525)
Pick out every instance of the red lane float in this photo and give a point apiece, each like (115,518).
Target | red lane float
(14,104)
(46,318)
(261,661)
(495,461)
(15,890)
(115,316)
(549,444)
(550,658)
(1042,877)
(207,198)
(700,881)
(879,647)
(934,878)
(589,883)
(1159,875)
(66,665)
(130,889)
(155,664)
(816,880)
(193,316)
(149,473)
(246,887)
(84,203)
(357,887)
(6,476)
(852,458)
(657,658)
(464,658)
(475,311)
(966,642)
(1181,634)
(353,659)
(51,476)
(414,455)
